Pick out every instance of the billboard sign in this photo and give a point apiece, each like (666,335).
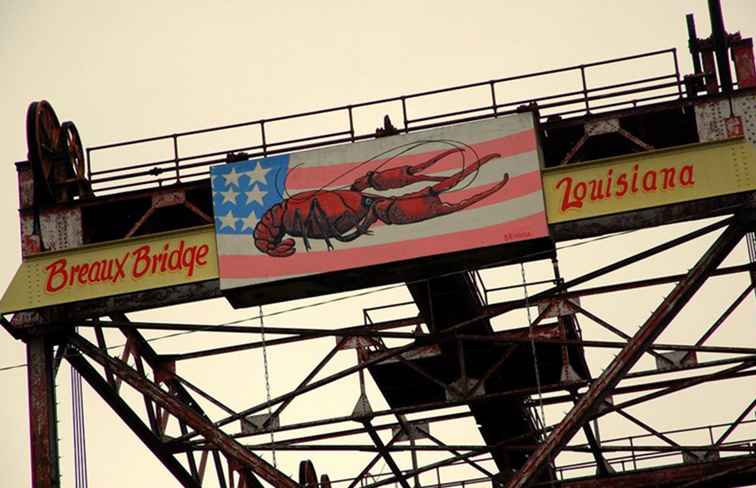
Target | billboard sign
(100,270)
(388,200)
(652,179)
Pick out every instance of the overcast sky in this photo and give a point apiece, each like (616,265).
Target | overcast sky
(125,70)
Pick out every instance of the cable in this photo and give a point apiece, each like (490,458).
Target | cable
(15,366)
(532,345)
(267,382)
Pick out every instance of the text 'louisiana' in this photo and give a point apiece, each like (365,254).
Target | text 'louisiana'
(574,193)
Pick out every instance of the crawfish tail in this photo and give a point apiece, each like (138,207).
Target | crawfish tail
(269,233)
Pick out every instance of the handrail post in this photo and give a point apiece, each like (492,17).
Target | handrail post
(493,99)
(351,122)
(264,141)
(632,452)
(89,164)
(404,114)
(677,73)
(176,157)
(585,89)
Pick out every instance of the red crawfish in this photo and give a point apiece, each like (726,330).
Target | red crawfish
(345,215)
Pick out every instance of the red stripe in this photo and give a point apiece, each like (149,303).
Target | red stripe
(517,187)
(263,266)
(341,174)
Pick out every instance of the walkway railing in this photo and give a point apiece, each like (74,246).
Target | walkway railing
(177,164)
(636,456)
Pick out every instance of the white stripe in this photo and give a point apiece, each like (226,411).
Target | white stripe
(468,220)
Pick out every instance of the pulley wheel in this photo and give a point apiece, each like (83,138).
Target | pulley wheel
(43,139)
(76,162)
(74,149)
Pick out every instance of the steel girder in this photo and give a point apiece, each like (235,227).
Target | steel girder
(640,343)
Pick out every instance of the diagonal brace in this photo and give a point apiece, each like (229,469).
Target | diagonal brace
(641,341)
(176,407)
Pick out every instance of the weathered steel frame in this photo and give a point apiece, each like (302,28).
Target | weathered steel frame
(186,407)
(642,340)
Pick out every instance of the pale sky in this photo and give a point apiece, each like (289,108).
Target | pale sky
(123,70)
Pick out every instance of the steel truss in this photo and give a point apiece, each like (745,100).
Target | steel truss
(206,441)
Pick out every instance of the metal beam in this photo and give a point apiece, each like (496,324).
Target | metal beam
(385,454)
(674,475)
(131,419)
(626,359)
(177,408)
(372,462)
(45,470)
(309,387)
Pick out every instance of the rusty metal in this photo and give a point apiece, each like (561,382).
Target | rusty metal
(719,40)
(307,476)
(651,329)
(45,472)
(400,478)
(710,331)
(131,419)
(177,408)
(56,155)
(673,476)
(736,423)
(180,166)
(75,152)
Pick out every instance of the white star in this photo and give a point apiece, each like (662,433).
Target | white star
(249,222)
(258,174)
(232,178)
(229,196)
(255,194)
(228,220)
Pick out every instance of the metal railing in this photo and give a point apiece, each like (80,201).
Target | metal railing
(638,458)
(585,99)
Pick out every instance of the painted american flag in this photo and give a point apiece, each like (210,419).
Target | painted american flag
(244,191)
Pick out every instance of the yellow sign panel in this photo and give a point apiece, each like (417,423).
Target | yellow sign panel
(652,179)
(100,270)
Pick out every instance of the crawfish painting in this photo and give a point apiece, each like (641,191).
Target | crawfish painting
(344,215)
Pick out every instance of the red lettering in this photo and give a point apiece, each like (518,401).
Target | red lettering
(174,259)
(83,273)
(94,272)
(579,194)
(56,276)
(567,202)
(609,183)
(622,182)
(649,184)
(191,254)
(203,250)
(669,178)
(141,261)
(72,275)
(597,191)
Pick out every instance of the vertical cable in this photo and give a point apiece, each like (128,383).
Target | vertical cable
(267,382)
(751,244)
(532,345)
(535,361)
(79,438)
